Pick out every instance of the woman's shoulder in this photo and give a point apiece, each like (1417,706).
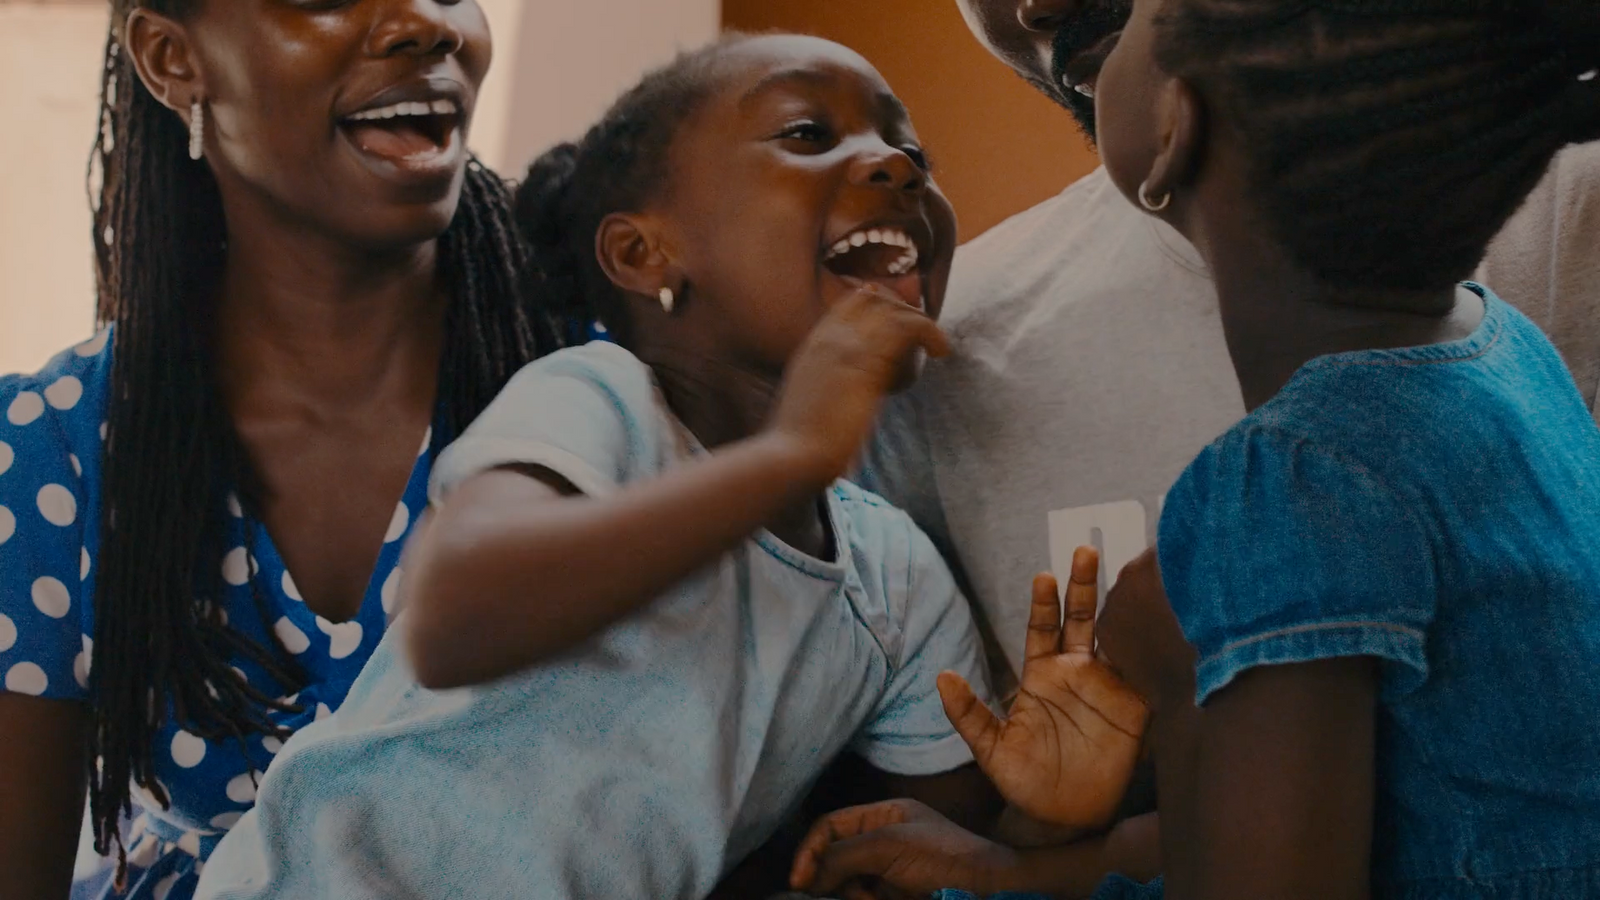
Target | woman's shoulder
(59,409)
(71,377)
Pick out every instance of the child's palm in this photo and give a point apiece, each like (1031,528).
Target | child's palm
(1068,748)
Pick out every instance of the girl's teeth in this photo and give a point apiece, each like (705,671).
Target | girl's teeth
(858,240)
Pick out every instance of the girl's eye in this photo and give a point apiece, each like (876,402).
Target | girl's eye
(918,156)
(811,132)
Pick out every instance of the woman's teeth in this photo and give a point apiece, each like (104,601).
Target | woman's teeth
(417,108)
(892,237)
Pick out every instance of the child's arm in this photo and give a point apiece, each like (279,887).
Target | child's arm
(515,569)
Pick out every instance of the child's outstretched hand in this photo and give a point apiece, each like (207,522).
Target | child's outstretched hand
(1068,749)
(893,850)
(837,380)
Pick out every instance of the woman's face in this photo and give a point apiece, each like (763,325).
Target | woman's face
(801,178)
(345,117)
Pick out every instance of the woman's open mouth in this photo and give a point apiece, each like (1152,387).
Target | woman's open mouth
(1082,71)
(884,255)
(419,137)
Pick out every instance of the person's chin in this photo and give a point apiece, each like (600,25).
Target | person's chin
(1082,110)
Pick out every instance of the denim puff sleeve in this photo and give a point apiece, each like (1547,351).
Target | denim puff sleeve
(1277,551)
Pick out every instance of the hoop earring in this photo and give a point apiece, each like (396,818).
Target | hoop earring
(667,300)
(1152,206)
(197,129)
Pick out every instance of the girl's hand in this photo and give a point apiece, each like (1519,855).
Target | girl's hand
(1068,749)
(894,850)
(837,380)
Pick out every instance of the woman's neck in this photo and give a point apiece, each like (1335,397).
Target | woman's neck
(1276,316)
(304,319)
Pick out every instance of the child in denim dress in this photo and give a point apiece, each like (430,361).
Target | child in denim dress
(1374,669)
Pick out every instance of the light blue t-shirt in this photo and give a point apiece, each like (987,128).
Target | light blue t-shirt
(661,753)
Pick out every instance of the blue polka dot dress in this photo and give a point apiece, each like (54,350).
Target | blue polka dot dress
(51,429)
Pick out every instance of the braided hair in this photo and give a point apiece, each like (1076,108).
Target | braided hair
(1392,139)
(172,455)
(618,165)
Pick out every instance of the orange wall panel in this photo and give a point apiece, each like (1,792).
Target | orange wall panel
(998,145)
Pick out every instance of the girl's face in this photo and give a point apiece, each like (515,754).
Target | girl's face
(798,179)
(1128,103)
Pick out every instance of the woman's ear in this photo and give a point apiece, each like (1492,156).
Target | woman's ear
(1182,123)
(163,56)
(633,255)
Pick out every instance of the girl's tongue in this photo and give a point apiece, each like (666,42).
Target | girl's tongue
(891,265)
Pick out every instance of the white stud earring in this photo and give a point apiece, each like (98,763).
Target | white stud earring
(197,129)
(1151,205)
(667,299)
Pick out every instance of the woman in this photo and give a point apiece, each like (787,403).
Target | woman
(304,279)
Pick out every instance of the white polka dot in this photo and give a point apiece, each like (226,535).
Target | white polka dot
(94,345)
(294,640)
(190,843)
(391,590)
(83,565)
(7,457)
(143,855)
(187,750)
(226,820)
(271,745)
(8,633)
(8,524)
(397,525)
(242,789)
(103,429)
(146,797)
(27,407)
(57,505)
(65,393)
(234,509)
(240,672)
(289,700)
(77,467)
(599,328)
(427,441)
(323,711)
(164,886)
(236,567)
(81,665)
(26,678)
(290,588)
(344,639)
(51,597)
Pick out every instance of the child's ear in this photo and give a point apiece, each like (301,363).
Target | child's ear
(1182,120)
(633,255)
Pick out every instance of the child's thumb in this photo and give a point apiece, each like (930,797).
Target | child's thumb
(976,724)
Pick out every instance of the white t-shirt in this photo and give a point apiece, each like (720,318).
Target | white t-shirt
(1090,369)
(649,761)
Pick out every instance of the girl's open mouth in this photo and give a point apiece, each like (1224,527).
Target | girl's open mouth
(883,255)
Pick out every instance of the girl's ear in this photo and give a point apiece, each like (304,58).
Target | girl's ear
(633,254)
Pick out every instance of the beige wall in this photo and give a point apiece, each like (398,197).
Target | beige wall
(558,63)
(50,62)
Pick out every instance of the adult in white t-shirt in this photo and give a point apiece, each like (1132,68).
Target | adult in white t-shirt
(1090,366)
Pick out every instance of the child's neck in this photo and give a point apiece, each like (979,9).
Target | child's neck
(724,404)
(1277,317)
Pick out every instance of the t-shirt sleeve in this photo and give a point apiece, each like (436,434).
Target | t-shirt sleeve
(588,414)
(909,733)
(42,556)
(1275,551)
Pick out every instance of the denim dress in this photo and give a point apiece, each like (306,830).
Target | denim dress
(1436,509)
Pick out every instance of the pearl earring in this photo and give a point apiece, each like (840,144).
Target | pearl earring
(197,129)
(1151,205)
(667,299)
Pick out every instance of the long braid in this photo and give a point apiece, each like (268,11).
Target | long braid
(171,453)
(1391,139)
